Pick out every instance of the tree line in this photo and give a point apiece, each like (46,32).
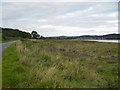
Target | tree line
(16,33)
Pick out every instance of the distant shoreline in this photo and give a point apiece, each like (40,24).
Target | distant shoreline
(112,41)
(96,37)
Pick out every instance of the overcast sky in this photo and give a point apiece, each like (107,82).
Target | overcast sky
(56,19)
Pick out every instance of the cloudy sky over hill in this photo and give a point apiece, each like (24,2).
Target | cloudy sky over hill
(54,19)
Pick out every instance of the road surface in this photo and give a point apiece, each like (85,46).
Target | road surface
(3,46)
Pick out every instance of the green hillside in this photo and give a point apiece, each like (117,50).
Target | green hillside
(13,34)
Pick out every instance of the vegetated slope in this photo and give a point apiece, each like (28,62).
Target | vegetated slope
(8,33)
(61,63)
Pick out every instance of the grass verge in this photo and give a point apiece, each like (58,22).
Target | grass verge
(12,70)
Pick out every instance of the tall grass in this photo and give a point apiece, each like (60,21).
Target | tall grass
(64,64)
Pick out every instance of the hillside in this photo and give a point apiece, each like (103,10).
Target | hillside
(108,36)
(8,33)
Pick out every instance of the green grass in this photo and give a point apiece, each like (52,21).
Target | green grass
(0,37)
(11,68)
(10,39)
(0,61)
(60,64)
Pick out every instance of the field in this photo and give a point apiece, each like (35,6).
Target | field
(60,64)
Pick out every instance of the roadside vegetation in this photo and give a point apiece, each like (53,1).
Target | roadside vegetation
(0,37)
(60,64)
(9,34)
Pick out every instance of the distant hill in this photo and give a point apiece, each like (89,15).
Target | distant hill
(8,33)
(108,36)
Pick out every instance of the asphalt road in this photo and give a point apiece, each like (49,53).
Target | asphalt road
(3,46)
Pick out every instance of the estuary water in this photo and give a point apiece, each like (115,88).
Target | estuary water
(113,41)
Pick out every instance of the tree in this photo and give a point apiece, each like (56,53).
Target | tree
(42,37)
(4,37)
(35,35)
(14,33)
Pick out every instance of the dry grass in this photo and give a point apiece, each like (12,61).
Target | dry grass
(68,64)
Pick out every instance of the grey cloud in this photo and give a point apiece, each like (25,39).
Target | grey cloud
(34,16)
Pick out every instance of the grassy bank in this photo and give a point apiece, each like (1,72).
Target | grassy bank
(11,68)
(0,37)
(60,63)
(10,39)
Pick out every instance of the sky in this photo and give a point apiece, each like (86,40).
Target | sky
(61,18)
